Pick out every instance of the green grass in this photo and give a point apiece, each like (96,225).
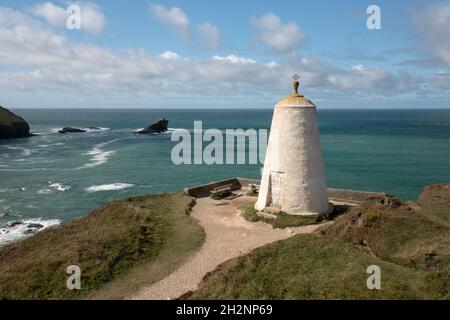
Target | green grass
(119,247)
(7,117)
(410,243)
(308,267)
(370,218)
(251,193)
(401,235)
(413,236)
(250,214)
(284,220)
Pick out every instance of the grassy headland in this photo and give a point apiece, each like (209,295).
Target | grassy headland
(119,247)
(410,242)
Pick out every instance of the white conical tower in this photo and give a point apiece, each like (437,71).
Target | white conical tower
(293,178)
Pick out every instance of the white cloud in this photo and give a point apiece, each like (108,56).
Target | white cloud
(92,19)
(210,35)
(169,55)
(37,59)
(441,80)
(433,22)
(282,38)
(173,17)
(233,59)
(54,15)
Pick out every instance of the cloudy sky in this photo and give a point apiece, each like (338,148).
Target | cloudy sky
(227,54)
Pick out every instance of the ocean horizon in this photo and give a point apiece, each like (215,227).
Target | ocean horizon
(53,177)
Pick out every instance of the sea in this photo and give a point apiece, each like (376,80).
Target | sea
(52,178)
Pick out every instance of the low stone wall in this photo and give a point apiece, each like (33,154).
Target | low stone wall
(351,195)
(205,189)
(238,183)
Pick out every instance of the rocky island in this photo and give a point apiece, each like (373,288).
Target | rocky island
(71,130)
(12,126)
(157,126)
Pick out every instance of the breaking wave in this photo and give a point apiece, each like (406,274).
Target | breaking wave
(98,155)
(25,152)
(109,187)
(13,231)
(53,187)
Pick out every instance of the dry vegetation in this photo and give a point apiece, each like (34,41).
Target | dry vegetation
(119,248)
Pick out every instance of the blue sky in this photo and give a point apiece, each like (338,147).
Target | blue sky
(184,54)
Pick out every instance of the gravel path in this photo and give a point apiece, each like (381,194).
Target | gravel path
(228,235)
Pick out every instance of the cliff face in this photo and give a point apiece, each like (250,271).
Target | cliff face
(12,126)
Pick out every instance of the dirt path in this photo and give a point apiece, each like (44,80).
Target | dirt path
(228,235)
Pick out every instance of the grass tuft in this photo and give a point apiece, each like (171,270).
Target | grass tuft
(284,220)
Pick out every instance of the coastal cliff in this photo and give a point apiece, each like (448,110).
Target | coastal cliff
(12,126)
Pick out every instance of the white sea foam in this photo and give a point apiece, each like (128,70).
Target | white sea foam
(96,129)
(98,155)
(45,191)
(109,187)
(25,152)
(11,231)
(3,190)
(53,187)
(28,170)
(169,131)
(59,186)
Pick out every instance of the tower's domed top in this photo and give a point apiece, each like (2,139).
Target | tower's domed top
(295,99)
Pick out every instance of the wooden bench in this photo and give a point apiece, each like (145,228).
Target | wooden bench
(222,191)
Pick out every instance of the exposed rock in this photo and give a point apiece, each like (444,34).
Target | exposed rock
(71,130)
(35,226)
(431,259)
(12,126)
(158,126)
(15,224)
(435,193)
(386,200)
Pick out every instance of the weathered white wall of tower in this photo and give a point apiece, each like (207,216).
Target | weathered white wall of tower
(293,176)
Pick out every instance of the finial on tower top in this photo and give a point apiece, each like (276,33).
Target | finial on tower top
(295,83)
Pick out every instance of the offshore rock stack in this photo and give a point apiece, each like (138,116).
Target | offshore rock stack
(12,126)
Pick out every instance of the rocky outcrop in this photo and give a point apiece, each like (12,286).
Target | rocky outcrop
(12,126)
(71,130)
(158,126)
(384,200)
(435,194)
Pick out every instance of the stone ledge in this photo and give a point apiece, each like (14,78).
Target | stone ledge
(237,183)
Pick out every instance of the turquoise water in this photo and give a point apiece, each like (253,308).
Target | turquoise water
(65,176)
